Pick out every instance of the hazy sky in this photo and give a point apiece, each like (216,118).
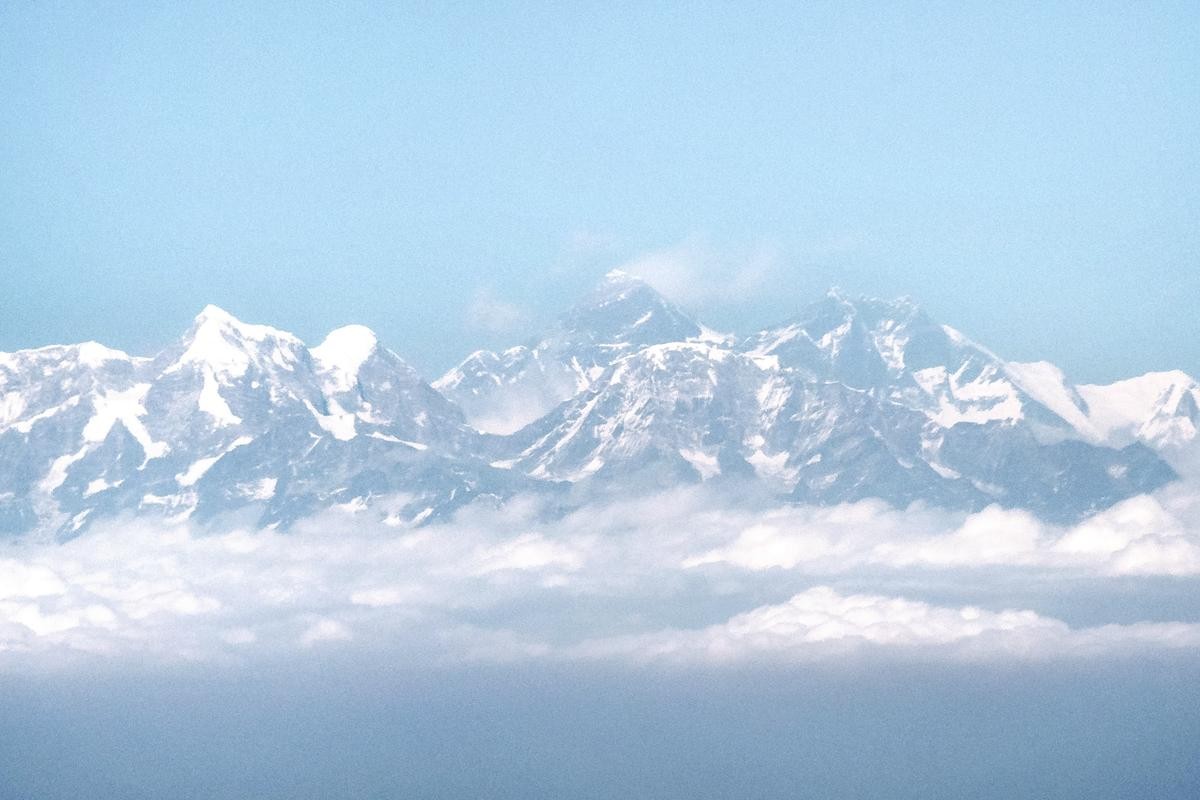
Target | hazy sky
(453,178)
(350,731)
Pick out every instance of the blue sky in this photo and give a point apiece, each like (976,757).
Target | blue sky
(455,177)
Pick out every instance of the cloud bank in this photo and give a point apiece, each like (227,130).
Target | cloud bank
(685,576)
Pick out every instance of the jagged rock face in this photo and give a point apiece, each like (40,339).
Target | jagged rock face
(683,401)
(853,398)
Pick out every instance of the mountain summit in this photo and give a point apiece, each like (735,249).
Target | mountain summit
(852,398)
(502,392)
(625,310)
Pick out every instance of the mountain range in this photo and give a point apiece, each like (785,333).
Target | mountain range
(851,398)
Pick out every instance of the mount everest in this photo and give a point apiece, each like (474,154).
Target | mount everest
(852,398)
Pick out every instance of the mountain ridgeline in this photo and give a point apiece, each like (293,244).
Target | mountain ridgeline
(853,398)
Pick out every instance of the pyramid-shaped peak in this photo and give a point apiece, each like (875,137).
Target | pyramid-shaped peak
(621,287)
(215,314)
(226,345)
(617,283)
(624,307)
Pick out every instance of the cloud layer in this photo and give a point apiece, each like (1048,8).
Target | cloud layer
(683,576)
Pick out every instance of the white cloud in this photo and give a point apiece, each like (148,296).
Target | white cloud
(695,274)
(28,580)
(1140,536)
(526,551)
(819,622)
(684,574)
(325,630)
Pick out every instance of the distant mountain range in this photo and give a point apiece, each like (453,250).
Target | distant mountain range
(852,398)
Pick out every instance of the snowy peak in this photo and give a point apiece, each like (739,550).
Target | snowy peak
(624,309)
(617,278)
(1161,409)
(343,352)
(96,355)
(232,418)
(370,390)
(214,315)
(502,392)
(229,347)
(893,348)
(43,383)
(862,342)
(867,306)
(213,320)
(91,355)
(347,346)
(854,397)
(616,282)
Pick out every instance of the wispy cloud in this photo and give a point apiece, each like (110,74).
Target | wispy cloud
(697,274)
(490,314)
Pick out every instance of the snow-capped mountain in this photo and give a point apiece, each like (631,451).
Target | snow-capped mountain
(502,392)
(233,418)
(852,398)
